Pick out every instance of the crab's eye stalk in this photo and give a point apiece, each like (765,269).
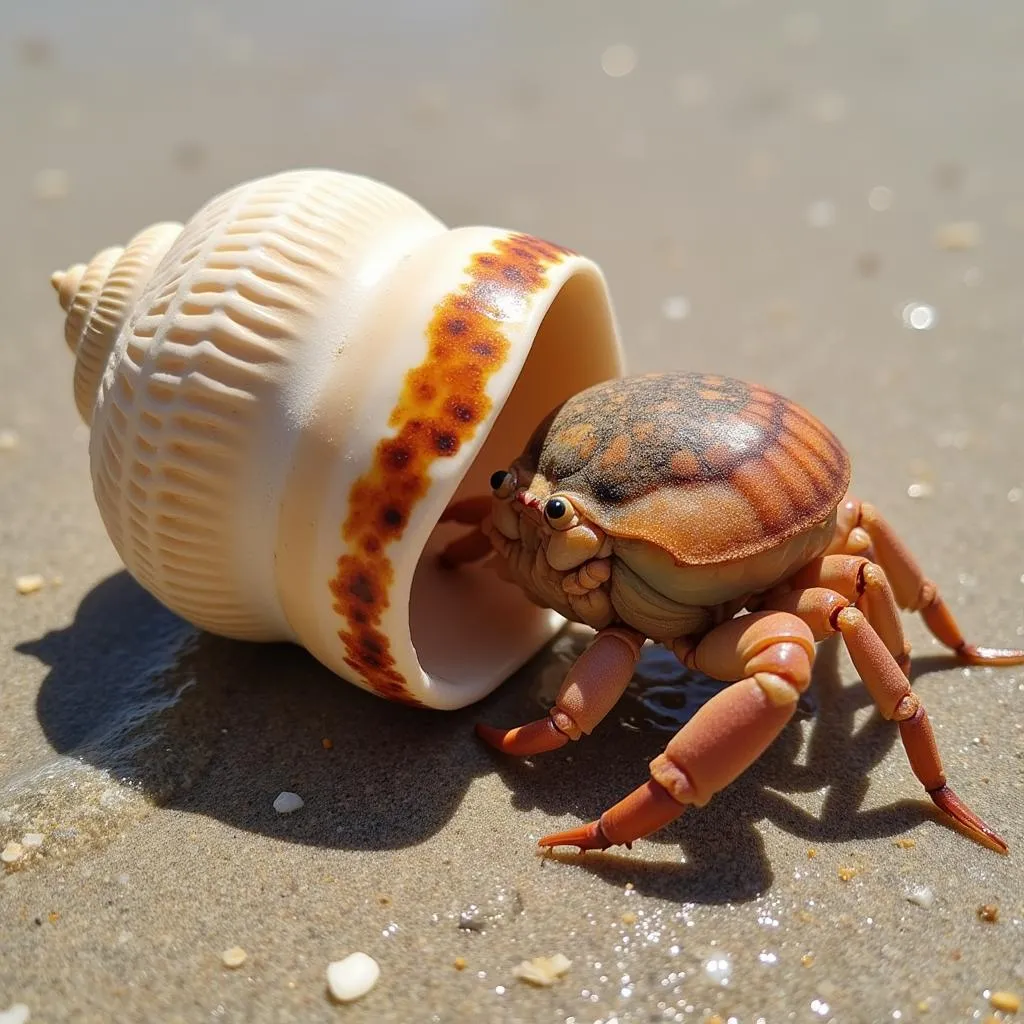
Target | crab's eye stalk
(503,483)
(559,513)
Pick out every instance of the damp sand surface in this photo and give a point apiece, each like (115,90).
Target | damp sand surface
(823,200)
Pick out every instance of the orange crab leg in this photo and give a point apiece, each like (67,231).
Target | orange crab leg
(914,591)
(470,547)
(770,653)
(861,582)
(827,612)
(471,511)
(592,687)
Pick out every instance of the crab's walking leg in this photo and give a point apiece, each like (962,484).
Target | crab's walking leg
(770,653)
(471,511)
(592,687)
(860,581)
(471,547)
(826,612)
(913,590)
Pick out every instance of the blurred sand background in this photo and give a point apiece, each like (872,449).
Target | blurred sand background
(824,197)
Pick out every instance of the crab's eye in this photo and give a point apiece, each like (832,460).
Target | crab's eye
(559,513)
(503,483)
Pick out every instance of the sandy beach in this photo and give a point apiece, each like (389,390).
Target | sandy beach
(825,198)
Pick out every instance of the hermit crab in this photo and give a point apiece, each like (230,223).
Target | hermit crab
(711,516)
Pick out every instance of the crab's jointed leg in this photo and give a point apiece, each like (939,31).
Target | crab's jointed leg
(913,590)
(827,613)
(856,580)
(592,687)
(470,547)
(770,654)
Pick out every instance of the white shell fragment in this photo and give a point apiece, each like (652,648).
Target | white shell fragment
(922,896)
(32,840)
(17,1014)
(12,853)
(542,970)
(233,957)
(353,977)
(286,803)
(29,583)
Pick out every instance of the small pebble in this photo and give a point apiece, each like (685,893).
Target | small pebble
(958,236)
(845,874)
(51,184)
(327,743)
(233,957)
(542,970)
(807,960)
(922,896)
(460,963)
(12,853)
(286,803)
(988,912)
(629,917)
(8,440)
(16,1014)
(905,844)
(353,977)
(1008,1002)
(32,840)
(920,490)
(29,583)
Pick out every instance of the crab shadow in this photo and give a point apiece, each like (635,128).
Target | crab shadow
(219,728)
(829,749)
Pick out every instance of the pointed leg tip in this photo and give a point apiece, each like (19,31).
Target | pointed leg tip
(990,655)
(947,801)
(586,837)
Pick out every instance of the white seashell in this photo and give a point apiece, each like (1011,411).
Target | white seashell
(286,392)
(287,803)
(353,977)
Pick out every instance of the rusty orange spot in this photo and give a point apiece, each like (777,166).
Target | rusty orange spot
(443,401)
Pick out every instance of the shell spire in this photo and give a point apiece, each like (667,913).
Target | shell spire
(97,298)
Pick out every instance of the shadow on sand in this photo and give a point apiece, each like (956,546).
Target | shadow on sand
(218,728)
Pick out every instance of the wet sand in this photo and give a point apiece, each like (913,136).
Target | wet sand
(821,197)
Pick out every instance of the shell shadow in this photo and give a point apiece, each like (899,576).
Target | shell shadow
(831,747)
(220,727)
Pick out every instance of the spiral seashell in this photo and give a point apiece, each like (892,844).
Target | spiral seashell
(286,392)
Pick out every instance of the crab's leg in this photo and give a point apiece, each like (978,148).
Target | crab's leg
(913,590)
(471,511)
(770,654)
(592,687)
(860,581)
(471,547)
(826,612)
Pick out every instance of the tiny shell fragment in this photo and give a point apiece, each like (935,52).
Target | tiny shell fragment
(845,874)
(16,1014)
(353,977)
(1008,1002)
(988,912)
(29,583)
(922,896)
(286,803)
(233,957)
(32,840)
(542,970)
(12,853)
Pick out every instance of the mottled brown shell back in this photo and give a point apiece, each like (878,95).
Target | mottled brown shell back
(711,469)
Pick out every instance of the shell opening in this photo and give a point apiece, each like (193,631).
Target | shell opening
(469,627)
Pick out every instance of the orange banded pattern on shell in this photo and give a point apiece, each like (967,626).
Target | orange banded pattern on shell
(441,405)
(709,468)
